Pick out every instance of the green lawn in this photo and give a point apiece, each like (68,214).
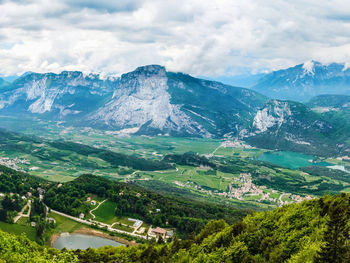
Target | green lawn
(64,224)
(124,228)
(19,229)
(105,213)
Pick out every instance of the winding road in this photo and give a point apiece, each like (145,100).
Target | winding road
(100,224)
(100,203)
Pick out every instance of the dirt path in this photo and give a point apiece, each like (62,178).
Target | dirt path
(100,203)
(20,214)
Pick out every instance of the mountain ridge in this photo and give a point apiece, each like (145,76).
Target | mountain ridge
(153,101)
(304,81)
(149,99)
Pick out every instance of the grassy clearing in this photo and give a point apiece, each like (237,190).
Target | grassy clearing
(105,213)
(124,228)
(19,229)
(64,224)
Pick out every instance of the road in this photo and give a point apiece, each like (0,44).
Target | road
(100,224)
(216,149)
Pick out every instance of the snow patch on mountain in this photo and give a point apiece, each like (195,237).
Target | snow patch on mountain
(309,68)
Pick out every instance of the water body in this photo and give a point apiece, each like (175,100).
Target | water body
(290,160)
(78,241)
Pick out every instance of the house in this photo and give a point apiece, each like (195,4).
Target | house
(81,216)
(138,195)
(29,194)
(23,197)
(93,202)
(59,185)
(88,199)
(33,224)
(137,223)
(157,210)
(169,233)
(159,232)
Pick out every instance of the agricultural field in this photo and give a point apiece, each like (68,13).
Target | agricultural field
(254,176)
(154,147)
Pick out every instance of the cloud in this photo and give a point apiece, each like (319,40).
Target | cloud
(200,37)
(106,5)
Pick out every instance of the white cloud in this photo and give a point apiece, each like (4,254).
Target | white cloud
(200,37)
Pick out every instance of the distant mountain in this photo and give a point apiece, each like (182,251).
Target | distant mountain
(3,83)
(152,101)
(304,81)
(330,102)
(242,80)
(149,100)
(288,125)
(55,96)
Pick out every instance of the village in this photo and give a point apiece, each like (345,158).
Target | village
(13,163)
(242,188)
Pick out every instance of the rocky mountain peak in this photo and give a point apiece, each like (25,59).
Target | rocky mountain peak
(145,71)
(274,113)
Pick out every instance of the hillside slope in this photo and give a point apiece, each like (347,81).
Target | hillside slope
(288,125)
(313,231)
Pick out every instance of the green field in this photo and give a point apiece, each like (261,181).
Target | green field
(105,213)
(64,224)
(18,229)
(62,164)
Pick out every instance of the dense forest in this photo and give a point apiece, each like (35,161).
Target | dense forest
(185,215)
(18,182)
(313,231)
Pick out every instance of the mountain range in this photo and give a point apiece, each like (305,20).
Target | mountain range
(152,101)
(304,81)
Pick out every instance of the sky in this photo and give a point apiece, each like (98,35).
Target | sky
(199,37)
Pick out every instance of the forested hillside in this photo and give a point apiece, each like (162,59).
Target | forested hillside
(187,216)
(313,231)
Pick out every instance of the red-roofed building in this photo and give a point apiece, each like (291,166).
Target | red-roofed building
(159,232)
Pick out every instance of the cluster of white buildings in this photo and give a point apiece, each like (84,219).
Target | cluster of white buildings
(243,187)
(13,163)
(235,144)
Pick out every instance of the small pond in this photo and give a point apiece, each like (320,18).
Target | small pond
(78,241)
